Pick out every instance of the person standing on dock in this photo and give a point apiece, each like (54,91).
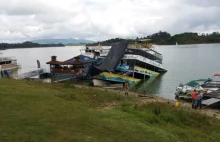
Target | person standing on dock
(126,88)
(194,98)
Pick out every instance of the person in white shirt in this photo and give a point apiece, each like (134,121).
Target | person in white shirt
(199,99)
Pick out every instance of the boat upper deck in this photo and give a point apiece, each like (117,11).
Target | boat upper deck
(8,67)
(6,59)
(148,50)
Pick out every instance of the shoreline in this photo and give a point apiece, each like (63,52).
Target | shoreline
(38,111)
(145,98)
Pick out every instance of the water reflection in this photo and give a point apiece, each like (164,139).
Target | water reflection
(151,86)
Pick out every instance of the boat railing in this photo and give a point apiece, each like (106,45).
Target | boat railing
(149,50)
(2,59)
(103,51)
(153,52)
(31,73)
(143,59)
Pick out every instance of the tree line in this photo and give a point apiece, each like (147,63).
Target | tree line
(27,44)
(165,38)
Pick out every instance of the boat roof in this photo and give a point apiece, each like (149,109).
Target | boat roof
(217,74)
(82,58)
(195,83)
(73,61)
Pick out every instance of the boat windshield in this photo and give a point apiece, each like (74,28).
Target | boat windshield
(216,78)
(195,83)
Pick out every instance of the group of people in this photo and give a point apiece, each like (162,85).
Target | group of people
(197,99)
(5,73)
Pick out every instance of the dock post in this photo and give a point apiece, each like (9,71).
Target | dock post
(134,68)
(144,72)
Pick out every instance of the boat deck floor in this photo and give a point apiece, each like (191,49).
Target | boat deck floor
(214,94)
(8,66)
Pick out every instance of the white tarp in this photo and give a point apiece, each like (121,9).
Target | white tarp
(210,101)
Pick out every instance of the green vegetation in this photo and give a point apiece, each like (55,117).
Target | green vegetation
(39,112)
(109,42)
(164,38)
(27,44)
(193,38)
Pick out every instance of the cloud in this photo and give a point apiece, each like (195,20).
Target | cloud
(101,19)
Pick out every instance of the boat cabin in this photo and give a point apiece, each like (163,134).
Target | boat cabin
(7,63)
(78,65)
(64,67)
(95,52)
(143,43)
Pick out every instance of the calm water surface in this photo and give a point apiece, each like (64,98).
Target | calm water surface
(183,62)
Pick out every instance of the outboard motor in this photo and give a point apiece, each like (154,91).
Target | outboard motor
(181,85)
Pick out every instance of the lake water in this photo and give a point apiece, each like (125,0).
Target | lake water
(183,62)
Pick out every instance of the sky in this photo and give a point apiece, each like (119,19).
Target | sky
(22,20)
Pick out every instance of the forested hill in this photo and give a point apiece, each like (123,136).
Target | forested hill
(26,45)
(164,38)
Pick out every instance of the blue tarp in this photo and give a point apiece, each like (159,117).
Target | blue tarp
(122,67)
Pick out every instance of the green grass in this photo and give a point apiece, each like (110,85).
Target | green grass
(38,112)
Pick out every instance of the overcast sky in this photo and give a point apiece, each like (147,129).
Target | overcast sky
(22,20)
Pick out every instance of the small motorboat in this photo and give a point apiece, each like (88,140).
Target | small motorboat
(207,85)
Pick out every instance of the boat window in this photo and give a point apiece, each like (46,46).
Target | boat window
(121,62)
(216,78)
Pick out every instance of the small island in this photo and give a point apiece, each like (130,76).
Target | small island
(26,44)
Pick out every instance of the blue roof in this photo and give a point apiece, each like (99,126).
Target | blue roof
(82,58)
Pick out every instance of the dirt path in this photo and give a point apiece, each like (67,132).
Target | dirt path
(148,98)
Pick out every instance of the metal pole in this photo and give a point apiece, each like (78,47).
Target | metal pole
(1,55)
(144,72)
(134,68)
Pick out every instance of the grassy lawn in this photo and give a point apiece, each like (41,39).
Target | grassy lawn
(38,112)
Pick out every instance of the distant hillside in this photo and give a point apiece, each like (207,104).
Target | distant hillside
(26,44)
(193,38)
(109,42)
(62,41)
(164,38)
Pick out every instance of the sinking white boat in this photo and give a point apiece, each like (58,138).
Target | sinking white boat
(7,65)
